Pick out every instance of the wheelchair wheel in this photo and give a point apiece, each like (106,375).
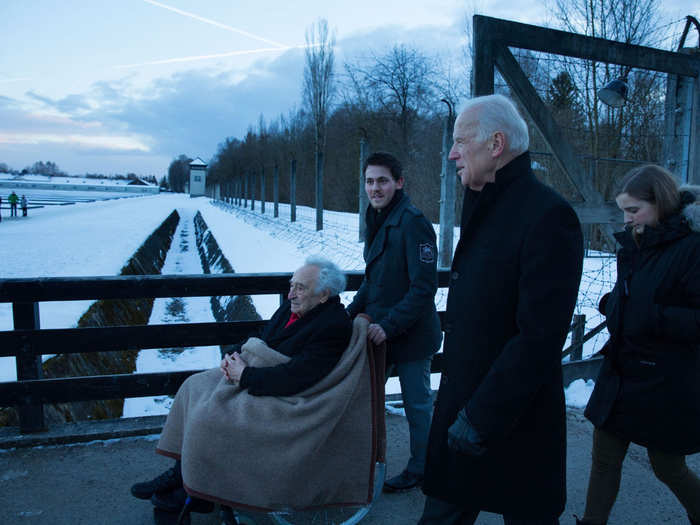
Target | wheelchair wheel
(333,516)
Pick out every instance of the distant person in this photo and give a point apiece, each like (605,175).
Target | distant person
(498,436)
(398,293)
(13,204)
(648,388)
(23,205)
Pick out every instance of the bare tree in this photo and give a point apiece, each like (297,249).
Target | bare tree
(318,95)
(629,21)
(400,83)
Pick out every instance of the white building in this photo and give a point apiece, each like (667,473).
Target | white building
(198,177)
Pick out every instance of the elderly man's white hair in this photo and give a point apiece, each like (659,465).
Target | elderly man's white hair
(330,277)
(498,113)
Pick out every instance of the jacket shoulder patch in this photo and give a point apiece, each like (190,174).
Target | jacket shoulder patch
(426,253)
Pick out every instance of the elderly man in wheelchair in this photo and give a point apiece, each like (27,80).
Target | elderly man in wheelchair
(289,421)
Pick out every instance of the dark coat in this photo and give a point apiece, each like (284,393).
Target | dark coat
(315,343)
(515,278)
(648,388)
(398,291)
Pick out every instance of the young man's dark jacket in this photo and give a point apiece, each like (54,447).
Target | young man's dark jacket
(314,342)
(648,388)
(513,288)
(398,291)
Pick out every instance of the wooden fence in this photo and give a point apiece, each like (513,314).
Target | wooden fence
(27,341)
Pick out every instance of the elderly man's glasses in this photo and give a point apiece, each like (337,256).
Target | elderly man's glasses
(298,287)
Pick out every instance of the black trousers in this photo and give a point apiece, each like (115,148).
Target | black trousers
(438,512)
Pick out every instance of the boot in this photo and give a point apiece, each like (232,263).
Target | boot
(169,480)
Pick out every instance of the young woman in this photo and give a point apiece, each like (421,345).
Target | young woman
(648,390)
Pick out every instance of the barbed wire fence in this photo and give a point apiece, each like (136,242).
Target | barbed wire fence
(338,242)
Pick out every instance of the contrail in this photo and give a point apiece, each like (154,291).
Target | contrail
(217,24)
(217,55)
(18,79)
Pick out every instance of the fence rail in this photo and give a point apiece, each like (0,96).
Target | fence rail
(27,342)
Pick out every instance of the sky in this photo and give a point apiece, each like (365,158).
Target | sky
(118,87)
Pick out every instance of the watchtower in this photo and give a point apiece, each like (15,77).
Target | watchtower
(198,177)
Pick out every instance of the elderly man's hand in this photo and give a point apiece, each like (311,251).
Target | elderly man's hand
(233,366)
(376,333)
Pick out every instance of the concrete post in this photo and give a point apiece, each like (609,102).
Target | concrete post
(262,190)
(245,189)
(252,192)
(276,189)
(680,152)
(447,193)
(319,190)
(293,190)
(363,200)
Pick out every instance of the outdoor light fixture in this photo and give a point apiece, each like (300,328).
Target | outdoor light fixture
(614,93)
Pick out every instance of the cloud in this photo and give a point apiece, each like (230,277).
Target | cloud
(190,112)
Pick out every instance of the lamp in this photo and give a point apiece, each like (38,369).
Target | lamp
(614,93)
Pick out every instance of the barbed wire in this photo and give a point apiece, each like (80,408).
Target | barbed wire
(338,242)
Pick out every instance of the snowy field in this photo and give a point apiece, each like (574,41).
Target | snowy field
(97,238)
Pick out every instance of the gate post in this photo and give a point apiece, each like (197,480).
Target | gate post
(26,317)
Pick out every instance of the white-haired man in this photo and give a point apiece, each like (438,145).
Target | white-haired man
(498,439)
(312,329)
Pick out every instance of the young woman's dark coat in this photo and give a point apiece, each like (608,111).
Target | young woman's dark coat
(513,289)
(314,342)
(648,389)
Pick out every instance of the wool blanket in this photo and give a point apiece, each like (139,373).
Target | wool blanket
(308,450)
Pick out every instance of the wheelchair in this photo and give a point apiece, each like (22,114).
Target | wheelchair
(331,515)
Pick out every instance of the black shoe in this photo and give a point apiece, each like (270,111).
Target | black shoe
(404,481)
(580,521)
(169,480)
(162,517)
(173,501)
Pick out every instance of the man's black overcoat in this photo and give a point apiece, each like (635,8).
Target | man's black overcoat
(398,291)
(513,289)
(315,342)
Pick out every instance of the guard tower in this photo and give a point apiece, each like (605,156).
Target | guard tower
(198,177)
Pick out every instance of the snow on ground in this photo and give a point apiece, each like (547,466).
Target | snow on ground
(578,392)
(183,258)
(85,239)
(90,239)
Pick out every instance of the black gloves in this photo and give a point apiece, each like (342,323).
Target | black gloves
(463,437)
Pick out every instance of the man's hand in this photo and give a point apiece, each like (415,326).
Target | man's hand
(463,437)
(376,333)
(232,366)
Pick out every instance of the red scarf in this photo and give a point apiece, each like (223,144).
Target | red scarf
(292,318)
